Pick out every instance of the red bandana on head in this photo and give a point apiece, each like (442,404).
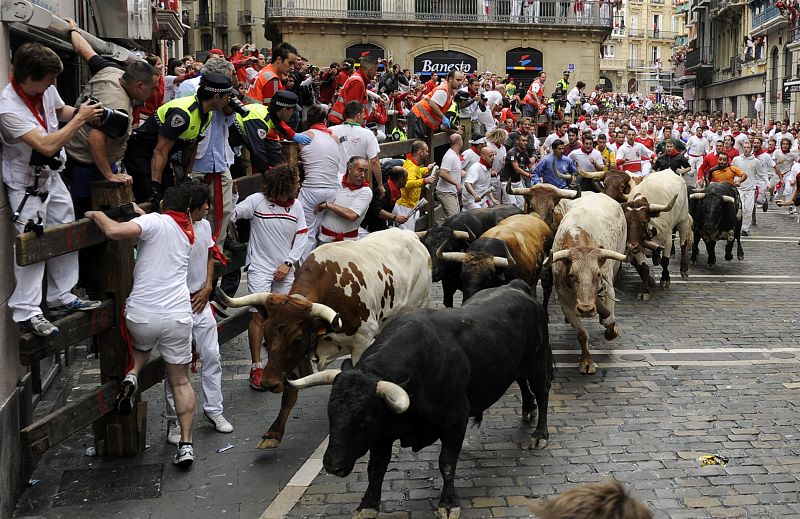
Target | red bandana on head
(184,222)
(352,187)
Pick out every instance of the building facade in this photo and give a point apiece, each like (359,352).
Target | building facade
(515,37)
(636,58)
(221,24)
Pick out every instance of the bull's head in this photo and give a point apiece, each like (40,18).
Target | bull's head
(711,207)
(618,185)
(447,238)
(637,214)
(359,408)
(542,198)
(581,269)
(479,270)
(292,326)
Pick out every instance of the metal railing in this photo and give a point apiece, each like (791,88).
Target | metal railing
(245,17)
(635,33)
(698,56)
(566,13)
(768,14)
(658,34)
(636,63)
(220,19)
(794,35)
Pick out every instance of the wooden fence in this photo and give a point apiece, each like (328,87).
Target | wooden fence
(113,261)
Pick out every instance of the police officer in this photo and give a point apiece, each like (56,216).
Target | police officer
(176,127)
(461,100)
(399,131)
(560,93)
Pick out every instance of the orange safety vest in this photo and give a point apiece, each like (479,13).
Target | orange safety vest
(256,92)
(423,109)
(529,97)
(336,114)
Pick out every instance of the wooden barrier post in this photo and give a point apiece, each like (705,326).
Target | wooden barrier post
(116,435)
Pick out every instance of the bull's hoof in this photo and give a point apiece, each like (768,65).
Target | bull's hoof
(644,296)
(710,266)
(587,368)
(728,256)
(740,257)
(448,513)
(566,320)
(685,273)
(366,513)
(665,283)
(539,440)
(268,443)
(611,333)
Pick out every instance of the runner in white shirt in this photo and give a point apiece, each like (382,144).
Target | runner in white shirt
(199,279)
(494,101)
(739,137)
(450,177)
(344,213)
(478,182)
(587,157)
(751,166)
(634,157)
(357,141)
(320,161)
(472,155)
(158,312)
(696,148)
(785,159)
(277,240)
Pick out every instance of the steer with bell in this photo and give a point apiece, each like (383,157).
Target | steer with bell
(342,296)
(426,374)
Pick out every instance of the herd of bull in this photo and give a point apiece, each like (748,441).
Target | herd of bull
(417,374)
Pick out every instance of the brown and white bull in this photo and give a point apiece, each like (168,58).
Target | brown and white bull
(618,185)
(545,200)
(342,296)
(587,249)
(659,204)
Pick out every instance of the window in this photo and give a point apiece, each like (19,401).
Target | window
(633,52)
(248,37)
(206,42)
(608,51)
(654,54)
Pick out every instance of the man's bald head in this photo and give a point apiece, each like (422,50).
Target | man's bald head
(455,140)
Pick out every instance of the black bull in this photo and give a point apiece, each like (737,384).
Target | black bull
(717,214)
(474,222)
(426,374)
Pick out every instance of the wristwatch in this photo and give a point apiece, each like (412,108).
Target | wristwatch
(288,264)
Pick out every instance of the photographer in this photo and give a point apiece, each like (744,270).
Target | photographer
(96,152)
(33,155)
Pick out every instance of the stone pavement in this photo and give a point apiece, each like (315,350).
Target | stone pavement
(706,367)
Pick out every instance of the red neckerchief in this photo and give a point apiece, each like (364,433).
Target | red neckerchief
(184,222)
(352,187)
(735,134)
(31,102)
(286,205)
(670,155)
(488,165)
(394,191)
(410,157)
(759,152)
(321,127)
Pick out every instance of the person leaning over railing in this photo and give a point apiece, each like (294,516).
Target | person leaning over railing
(33,156)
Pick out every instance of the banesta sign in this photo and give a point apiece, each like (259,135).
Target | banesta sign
(443,62)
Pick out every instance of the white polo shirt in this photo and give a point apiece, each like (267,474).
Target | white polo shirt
(356,200)
(354,140)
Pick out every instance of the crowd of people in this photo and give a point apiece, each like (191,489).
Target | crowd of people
(181,134)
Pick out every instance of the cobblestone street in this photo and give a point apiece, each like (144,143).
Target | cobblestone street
(706,367)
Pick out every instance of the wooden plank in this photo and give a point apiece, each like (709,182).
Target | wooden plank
(439,139)
(234,325)
(395,149)
(151,374)
(56,241)
(73,328)
(56,427)
(248,185)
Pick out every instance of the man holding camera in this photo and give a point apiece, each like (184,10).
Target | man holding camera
(96,152)
(33,156)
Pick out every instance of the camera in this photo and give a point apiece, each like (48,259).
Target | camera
(39,160)
(114,123)
(237,106)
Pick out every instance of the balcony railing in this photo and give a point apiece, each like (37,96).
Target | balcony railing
(794,35)
(220,19)
(203,20)
(245,17)
(589,13)
(700,56)
(636,64)
(768,14)
(658,34)
(635,33)
(613,64)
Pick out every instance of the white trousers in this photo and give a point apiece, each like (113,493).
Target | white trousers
(402,210)
(694,163)
(62,271)
(309,198)
(748,197)
(206,341)
(517,200)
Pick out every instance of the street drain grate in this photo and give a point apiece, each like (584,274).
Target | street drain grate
(79,487)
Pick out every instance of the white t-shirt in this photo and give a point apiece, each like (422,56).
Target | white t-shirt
(478,177)
(321,160)
(696,147)
(486,117)
(15,121)
(277,233)
(452,163)
(784,160)
(356,200)
(162,264)
(198,257)
(548,142)
(469,157)
(739,140)
(500,157)
(439,96)
(354,140)
(592,161)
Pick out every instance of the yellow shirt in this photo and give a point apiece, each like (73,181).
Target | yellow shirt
(409,195)
(608,157)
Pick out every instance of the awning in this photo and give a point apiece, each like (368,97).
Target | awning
(168,25)
(791,87)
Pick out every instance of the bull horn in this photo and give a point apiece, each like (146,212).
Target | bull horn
(729,199)
(570,194)
(697,196)
(248,300)
(593,175)
(467,235)
(599,186)
(560,255)
(561,175)
(321,378)
(457,257)
(659,208)
(421,234)
(327,313)
(612,254)
(395,396)
(504,263)
(651,245)
(522,191)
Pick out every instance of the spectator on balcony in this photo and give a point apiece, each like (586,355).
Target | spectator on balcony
(271,77)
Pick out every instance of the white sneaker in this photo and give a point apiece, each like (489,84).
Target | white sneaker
(220,423)
(173,432)
(185,456)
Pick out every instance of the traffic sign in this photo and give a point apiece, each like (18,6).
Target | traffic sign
(571,67)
